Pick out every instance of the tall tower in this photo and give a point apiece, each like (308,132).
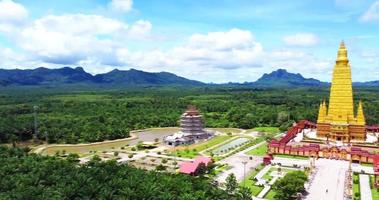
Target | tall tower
(341,92)
(337,122)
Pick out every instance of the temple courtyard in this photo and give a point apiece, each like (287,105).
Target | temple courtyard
(329,180)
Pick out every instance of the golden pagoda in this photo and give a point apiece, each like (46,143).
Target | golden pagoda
(338,122)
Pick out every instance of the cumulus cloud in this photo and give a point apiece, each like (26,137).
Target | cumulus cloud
(372,14)
(140,29)
(12,15)
(216,50)
(73,38)
(301,39)
(121,5)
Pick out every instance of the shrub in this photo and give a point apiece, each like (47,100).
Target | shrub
(115,153)
(122,148)
(159,153)
(133,149)
(130,156)
(164,161)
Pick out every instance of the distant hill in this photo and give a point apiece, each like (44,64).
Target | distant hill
(43,76)
(282,78)
(67,75)
(120,78)
(367,84)
(137,77)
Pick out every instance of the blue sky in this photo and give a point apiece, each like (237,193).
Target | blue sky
(208,40)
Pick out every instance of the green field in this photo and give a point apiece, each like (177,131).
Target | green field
(266,129)
(250,183)
(259,151)
(270,195)
(192,151)
(227,130)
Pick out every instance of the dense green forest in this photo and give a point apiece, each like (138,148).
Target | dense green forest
(33,176)
(70,116)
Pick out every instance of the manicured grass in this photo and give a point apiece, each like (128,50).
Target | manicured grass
(207,144)
(291,156)
(367,164)
(192,151)
(356,186)
(270,195)
(187,153)
(226,130)
(222,168)
(267,129)
(374,191)
(259,151)
(250,183)
(267,175)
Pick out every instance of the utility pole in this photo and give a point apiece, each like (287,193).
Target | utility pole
(35,108)
(244,172)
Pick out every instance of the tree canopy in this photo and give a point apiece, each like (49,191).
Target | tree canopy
(33,176)
(287,187)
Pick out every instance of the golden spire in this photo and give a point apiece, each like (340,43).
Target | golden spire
(341,92)
(342,53)
(360,115)
(321,113)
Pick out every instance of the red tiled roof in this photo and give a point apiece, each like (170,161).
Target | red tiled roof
(190,167)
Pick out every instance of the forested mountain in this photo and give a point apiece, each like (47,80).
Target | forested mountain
(137,77)
(282,78)
(44,76)
(132,78)
(67,75)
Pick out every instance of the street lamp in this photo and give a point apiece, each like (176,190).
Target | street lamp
(244,172)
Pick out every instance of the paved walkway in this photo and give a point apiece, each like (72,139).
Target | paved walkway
(329,181)
(364,184)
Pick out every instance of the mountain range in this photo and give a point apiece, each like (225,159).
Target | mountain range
(69,76)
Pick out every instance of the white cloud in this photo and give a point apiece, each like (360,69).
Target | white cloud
(77,38)
(12,15)
(372,14)
(121,5)
(301,39)
(140,29)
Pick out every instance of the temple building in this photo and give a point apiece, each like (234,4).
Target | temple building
(191,129)
(337,122)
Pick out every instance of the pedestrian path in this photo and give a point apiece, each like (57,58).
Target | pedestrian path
(364,184)
(329,181)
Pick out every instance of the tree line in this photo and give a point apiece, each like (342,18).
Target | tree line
(88,116)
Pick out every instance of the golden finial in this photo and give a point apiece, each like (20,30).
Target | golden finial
(342,45)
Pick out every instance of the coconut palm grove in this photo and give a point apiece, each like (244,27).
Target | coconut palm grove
(191,100)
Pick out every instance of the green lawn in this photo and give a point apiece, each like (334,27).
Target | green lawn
(367,164)
(267,129)
(270,195)
(356,186)
(374,191)
(187,153)
(192,151)
(291,156)
(259,151)
(250,183)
